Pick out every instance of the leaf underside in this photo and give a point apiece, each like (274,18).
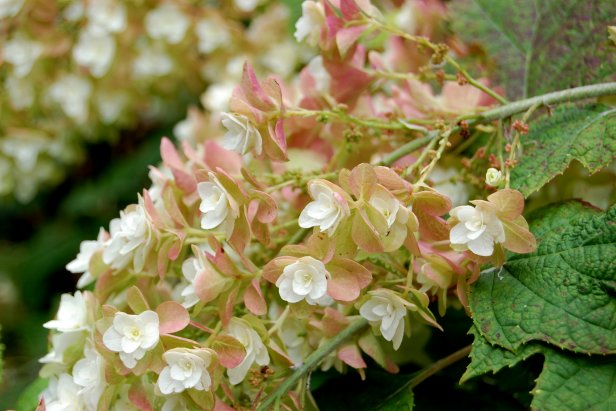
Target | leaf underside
(541,46)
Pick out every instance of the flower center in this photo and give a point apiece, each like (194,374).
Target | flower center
(134,333)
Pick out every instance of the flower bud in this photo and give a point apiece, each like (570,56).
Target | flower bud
(493,177)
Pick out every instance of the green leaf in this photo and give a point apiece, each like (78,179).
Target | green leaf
(563,293)
(400,401)
(29,398)
(540,46)
(567,382)
(587,135)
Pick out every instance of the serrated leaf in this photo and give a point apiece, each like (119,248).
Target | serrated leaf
(567,382)
(563,293)
(586,134)
(540,46)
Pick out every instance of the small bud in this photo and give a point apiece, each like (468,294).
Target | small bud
(440,77)
(520,127)
(507,147)
(493,177)
(481,152)
(462,81)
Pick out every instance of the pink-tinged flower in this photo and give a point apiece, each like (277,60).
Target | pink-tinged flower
(387,310)
(186,368)
(305,279)
(72,314)
(478,230)
(242,136)
(327,210)
(309,25)
(132,336)
(256,352)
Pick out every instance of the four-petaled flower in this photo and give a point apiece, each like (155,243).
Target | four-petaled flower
(388,310)
(242,136)
(186,368)
(305,279)
(132,336)
(477,230)
(327,210)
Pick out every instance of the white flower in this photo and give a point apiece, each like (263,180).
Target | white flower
(395,215)
(217,96)
(186,368)
(25,147)
(174,403)
(493,177)
(152,62)
(166,22)
(281,58)
(72,314)
(59,344)
(191,268)
(20,90)
(95,51)
(22,54)
(477,230)
(131,239)
(241,136)
(10,8)
(211,35)
(293,335)
(132,336)
(305,279)
(406,18)
(89,374)
(389,310)
(320,75)
(72,93)
(74,11)
(255,349)
(110,105)
(106,16)
(327,210)
(246,5)
(309,25)
(215,206)
(61,394)
(81,263)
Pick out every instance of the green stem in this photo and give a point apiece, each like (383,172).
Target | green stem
(311,362)
(510,109)
(439,365)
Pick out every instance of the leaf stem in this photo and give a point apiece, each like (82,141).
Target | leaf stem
(439,365)
(311,362)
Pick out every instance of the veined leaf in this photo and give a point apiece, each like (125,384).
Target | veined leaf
(567,382)
(541,46)
(587,135)
(563,293)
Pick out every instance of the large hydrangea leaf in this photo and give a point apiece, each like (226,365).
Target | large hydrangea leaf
(563,293)
(587,135)
(567,382)
(540,46)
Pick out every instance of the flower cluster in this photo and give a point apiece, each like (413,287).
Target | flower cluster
(310,206)
(83,70)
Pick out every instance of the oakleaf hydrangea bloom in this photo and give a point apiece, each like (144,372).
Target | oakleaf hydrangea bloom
(305,279)
(186,368)
(395,214)
(81,263)
(308,27)
(22,53)
(59,344)
(132,336)
(89,374)
(493,177)
(106,16)
(477,230)
(131,238)
(241,136)
(191,268)
(388,310)
(72,314)
(256,352)
(95,51)
(327,210)
(72,93)
(61,394)
(215,206)
(166,22)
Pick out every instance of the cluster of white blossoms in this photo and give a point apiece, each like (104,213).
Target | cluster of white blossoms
(92,68)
